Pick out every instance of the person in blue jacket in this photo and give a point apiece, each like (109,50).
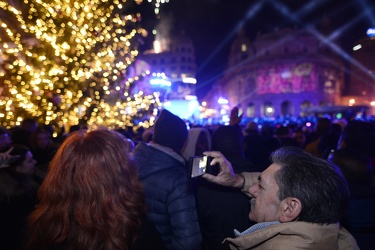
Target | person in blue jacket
(168,189)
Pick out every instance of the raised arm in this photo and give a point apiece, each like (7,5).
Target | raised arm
(5,157)
(226,177)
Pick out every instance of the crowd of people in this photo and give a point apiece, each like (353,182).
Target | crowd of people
(283,186)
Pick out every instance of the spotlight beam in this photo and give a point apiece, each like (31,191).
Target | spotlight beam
(339,31)
(323,39)
(251,12)
(296,18)
(327,41)
(367,12)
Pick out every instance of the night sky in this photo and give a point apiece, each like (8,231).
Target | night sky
(212,24)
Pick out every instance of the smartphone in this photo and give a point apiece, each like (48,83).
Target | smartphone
(199,165)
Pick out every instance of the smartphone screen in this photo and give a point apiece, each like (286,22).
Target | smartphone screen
(198,165)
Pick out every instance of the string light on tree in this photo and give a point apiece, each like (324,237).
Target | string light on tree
(65,62)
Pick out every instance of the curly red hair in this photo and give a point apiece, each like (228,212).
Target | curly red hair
(91,197)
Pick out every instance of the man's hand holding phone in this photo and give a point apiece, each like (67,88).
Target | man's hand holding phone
(199,165)
(226,176)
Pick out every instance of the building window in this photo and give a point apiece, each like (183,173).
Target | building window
(304,108)
(250,110)
(268,109)
(305,104)
(286,108)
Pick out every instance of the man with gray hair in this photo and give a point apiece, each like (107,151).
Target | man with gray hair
(297,202)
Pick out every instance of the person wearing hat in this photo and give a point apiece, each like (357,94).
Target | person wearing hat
(169,195)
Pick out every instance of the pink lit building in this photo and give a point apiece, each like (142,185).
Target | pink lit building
(288,72)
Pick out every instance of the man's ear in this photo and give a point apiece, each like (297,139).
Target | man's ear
(290,209)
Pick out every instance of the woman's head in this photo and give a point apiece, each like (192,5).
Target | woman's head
(91,189)
(101,154)
(23,162)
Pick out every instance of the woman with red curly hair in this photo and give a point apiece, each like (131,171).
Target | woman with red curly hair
(91,198)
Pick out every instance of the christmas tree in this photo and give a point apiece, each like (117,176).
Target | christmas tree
(65,62)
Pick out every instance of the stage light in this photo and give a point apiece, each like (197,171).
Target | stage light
(161,82)
(269,110)
(371,32)
(191,97)
(351,102)
(222,101)
(357,47)
(190,80)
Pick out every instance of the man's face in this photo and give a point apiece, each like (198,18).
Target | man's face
(265,204)
(42,140)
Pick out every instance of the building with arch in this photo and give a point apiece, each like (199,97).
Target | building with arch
(279,74)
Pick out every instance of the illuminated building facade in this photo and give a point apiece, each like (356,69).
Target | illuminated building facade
(283,73)
(176,63)
(172,68)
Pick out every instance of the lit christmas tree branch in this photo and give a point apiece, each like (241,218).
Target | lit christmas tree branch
(65,62)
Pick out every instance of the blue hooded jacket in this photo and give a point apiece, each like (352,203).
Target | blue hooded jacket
(169,195)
